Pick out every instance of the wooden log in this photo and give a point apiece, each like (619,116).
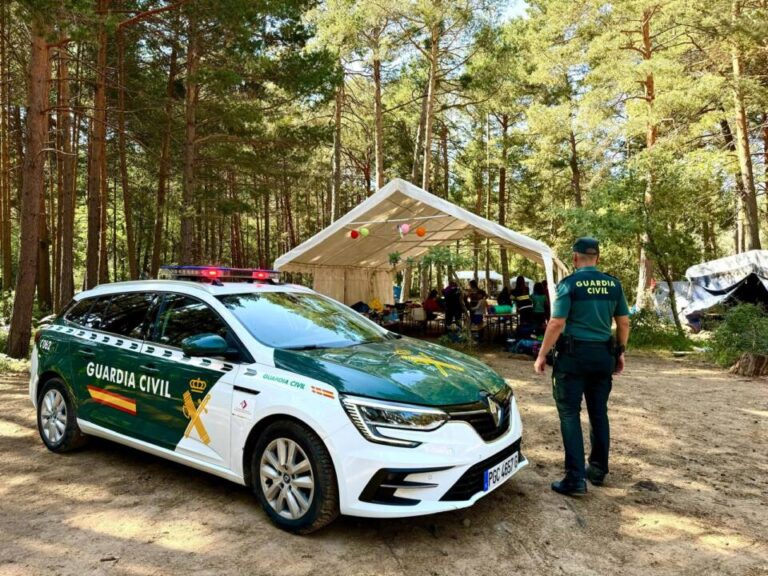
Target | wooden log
(751,365)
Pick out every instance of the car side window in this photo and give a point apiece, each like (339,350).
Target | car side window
(127,313)
(95,315)
(184,316)
(79,310)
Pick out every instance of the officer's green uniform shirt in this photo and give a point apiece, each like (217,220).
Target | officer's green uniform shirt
(589,299)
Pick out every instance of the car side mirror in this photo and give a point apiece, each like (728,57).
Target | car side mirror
(205,345)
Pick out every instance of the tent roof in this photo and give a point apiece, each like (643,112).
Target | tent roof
(402,202)
(738,265)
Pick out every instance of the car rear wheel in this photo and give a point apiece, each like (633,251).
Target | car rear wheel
(57,418)
(294,479)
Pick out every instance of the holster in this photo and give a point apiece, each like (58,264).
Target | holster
(564,345)
(614,348)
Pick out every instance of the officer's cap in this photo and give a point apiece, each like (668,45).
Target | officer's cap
(586,245)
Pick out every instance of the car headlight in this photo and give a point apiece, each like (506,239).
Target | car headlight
(373,417)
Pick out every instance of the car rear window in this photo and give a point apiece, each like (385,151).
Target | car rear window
(127,313)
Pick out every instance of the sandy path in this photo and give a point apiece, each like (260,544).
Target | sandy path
(688,495)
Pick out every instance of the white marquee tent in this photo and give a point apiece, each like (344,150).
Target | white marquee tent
(352,270)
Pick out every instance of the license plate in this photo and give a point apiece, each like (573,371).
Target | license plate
(500,473)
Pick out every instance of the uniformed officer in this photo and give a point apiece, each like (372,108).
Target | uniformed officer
(586,356)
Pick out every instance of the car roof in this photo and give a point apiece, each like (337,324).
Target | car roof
(187,287)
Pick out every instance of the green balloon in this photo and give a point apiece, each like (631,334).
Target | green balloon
(364,232)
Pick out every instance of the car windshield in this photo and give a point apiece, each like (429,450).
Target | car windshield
(293,320)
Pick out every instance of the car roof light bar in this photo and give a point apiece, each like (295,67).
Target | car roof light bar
(217,274)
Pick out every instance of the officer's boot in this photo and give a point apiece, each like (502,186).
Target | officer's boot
(595,474)
(570,487)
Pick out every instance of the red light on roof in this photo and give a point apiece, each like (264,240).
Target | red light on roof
(212,273)
(261,275)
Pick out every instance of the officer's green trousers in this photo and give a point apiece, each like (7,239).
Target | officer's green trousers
(585,371)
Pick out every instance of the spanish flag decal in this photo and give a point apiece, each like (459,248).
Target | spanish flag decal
(116,401)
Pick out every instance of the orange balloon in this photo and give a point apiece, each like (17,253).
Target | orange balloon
(420,231)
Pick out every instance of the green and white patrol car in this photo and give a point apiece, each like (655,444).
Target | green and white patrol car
(316,408)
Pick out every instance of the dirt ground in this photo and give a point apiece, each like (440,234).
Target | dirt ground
(688,494)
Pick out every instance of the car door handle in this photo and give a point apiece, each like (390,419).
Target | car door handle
(87,352)
(151,368)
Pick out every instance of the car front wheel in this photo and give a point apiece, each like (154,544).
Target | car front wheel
(294,479)
(57,418)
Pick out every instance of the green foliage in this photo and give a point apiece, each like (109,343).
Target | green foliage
(8,364)
(445,256)
(651,332)
(744,329)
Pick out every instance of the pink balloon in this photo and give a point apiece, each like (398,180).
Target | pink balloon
(405,228)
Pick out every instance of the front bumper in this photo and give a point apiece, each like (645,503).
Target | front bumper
(444,473)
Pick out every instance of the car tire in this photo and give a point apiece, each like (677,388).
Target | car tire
(293,478)
(57,418)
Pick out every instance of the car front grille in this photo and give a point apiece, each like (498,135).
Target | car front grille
(471,482)
(479,416)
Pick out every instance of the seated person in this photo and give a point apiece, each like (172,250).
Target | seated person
(431,305)
(475,295)
(477,303)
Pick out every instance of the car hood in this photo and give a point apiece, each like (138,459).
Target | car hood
(399,370)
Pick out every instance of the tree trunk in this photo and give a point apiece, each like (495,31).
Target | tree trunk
(189,181)
(738,228)
(446,167)
(5,152)
(573,159)
(503,196)
(66,169)
(44,296)
(377,113)
(575,170)
(236,235)
(97,155)
(267,251)
(104,221)
(162,176)
(431,98)
(419,144)
(645,268)
(34,165)
(742,140)
(751,365)
(765,158)
(130,242)
(336,184)
(405,293)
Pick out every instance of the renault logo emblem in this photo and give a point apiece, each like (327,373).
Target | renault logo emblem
(495,410)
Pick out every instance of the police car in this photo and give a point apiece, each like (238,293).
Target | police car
(317,409)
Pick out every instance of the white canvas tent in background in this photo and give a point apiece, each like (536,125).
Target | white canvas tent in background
(742,277)
(493,276)
(352,270)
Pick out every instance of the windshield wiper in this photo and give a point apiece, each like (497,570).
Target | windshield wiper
(305,347)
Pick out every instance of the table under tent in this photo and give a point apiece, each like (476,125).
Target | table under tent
(350,259)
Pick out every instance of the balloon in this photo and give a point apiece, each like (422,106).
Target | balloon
(354,234)
(364,232)
(420,231)
(405,228)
